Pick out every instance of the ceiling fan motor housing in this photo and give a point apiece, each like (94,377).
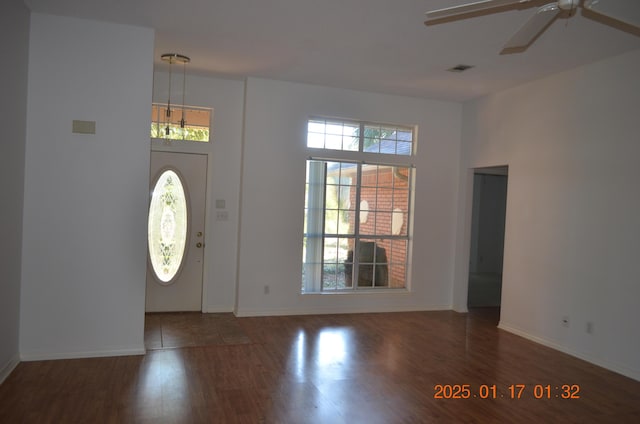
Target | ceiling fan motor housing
(568,4)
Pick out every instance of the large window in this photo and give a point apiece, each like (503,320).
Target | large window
(357,212)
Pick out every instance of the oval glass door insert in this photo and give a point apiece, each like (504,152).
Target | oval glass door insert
(167,226)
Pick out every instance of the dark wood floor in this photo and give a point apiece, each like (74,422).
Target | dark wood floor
(361,368)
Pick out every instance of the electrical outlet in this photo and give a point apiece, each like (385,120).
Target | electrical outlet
(565,321)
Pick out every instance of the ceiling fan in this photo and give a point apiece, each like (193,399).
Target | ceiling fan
(624,11)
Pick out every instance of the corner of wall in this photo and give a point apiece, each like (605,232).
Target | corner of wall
(8,368)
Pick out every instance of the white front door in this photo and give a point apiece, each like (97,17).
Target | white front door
(176,233)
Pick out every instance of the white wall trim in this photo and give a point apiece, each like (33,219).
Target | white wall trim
(462,245)
(45,356)
(611,366)
(8,368)
(245,312)
(217,309)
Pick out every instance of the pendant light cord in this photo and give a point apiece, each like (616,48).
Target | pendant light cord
(184,89)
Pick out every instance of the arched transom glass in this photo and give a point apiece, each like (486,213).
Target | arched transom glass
(167,230)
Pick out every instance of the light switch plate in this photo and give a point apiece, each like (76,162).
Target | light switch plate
(84,127)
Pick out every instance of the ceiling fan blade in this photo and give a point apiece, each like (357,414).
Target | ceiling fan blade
(627,11)
(532,28)
(470,7)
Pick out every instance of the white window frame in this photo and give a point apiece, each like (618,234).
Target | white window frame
(313,261)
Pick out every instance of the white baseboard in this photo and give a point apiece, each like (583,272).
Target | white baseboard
(248,312)
(217,309)
(611,366)
(8,368)
(46,356)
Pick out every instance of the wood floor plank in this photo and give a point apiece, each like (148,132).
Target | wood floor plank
(360,368)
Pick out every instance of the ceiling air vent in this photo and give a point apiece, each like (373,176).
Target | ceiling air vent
(460,68)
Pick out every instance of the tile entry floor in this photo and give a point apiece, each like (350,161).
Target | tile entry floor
(165,330)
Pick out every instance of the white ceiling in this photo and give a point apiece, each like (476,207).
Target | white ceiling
(374,45)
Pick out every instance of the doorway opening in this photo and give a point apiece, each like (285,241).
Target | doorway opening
(487,239)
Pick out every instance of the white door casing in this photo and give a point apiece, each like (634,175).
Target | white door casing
(184,293)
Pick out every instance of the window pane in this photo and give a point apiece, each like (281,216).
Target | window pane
(317,127)
(334,135)
(368,227)
(345,221)
(369,175)
(390,140)
(386,176)
(343,260)
(329,263)
(330,251)
(315,134)
(329,277)
(351,138)
(333,141)
(388,146)
(401,176)
(313,225)
(397,275)
(398,260)
(384,199)
(405,135)
(404,148)
(371,145)
(398,221)
(335,257)
(331,221)
(347,250)
(373,267)
(383,223)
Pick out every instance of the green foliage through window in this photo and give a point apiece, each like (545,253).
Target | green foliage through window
(197,123)
(177,133)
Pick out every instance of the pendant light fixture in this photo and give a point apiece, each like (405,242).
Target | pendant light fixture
(173,58)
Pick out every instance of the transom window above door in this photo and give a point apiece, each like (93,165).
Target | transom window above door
(197,122)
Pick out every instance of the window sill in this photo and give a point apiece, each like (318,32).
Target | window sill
(404,291)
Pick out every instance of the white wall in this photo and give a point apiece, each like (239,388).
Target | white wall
(85,199)
(572,228)
(226,97)
(272,197)
(14,42)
